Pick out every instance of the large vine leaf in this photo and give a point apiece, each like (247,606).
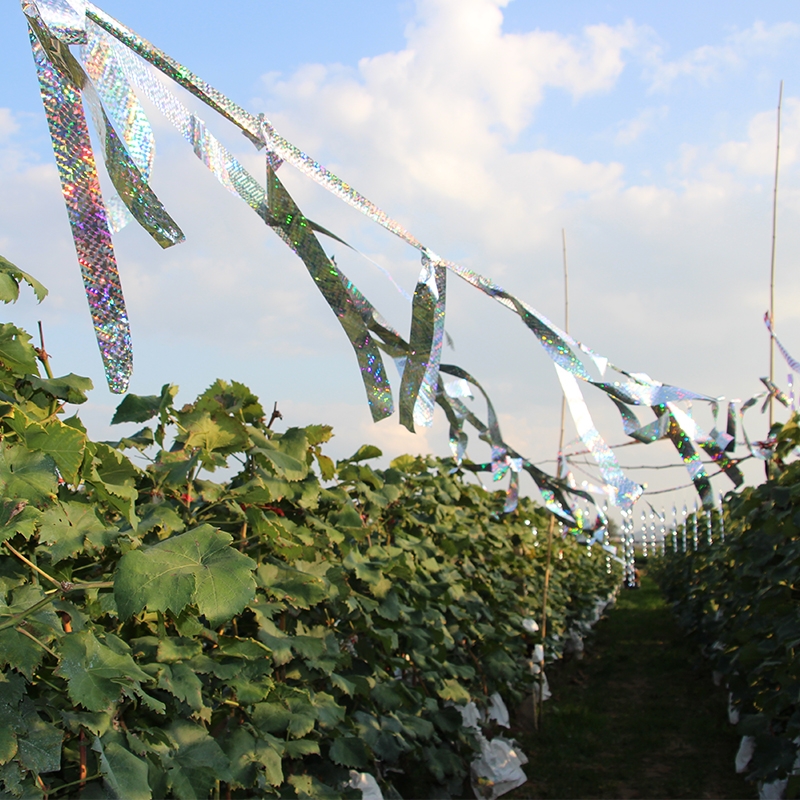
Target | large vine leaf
(124,772)
(10,276)
(16,351)
(40,744)
(69,388)
(196,763)
(97,674)
(65,444)
(66,526)
(25,475)
(198,567)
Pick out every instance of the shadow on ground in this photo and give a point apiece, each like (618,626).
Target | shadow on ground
(638,717)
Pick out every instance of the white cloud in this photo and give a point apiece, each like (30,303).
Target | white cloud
(630,130)
(707,62)
(756,155)
(8,125)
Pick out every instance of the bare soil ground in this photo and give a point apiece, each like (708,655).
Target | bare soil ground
(637,717)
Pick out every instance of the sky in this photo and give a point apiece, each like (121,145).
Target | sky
(645,132)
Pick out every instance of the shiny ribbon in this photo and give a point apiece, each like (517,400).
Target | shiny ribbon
(61,96)
(111,66)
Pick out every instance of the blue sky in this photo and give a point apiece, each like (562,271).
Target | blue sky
(644,130)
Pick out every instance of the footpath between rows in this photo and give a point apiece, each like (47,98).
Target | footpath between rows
(637,717)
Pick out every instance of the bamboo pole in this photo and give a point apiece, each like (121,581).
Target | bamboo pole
(559,462)
(772,259)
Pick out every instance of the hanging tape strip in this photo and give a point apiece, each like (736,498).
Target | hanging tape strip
(555,344)
(78,173)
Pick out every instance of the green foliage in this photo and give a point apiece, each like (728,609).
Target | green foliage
(268,632)
(740,600)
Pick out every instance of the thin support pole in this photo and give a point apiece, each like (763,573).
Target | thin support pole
(551,528)
(772,259)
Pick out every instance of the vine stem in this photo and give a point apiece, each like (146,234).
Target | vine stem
(33,566)
(34,639)
(43,355)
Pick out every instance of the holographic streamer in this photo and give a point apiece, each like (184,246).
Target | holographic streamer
(248,123)
(81,188)
(222,164)
(731,427)
(455,416)
(132,187)
(683,444)
(418,393)
(125,175)
(421,370)
(66,19)
(697,435)
(338,292)
(774,391)
(491,431)
(512,494)
(756,449)
(426,398)
(627,491)
(795,365)
(124,110)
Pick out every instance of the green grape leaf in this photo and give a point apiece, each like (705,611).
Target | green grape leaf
(318,434)
(10,276)
(298,588)
(124,773)
(286,466)
(17,517)
(69,388)
(26,476)
(181,681)
(220,432)
(136,408)
(64,444)
(65,527)
(364,453)
(246,753)
(40,744)
(350,751)
(452,690)
(297,748)
(271,717)
(198,567)
(197,763)
(8,743)
(16,352)
(19,652)
(95,673)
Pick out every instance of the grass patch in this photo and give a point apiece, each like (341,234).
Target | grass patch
(638,717)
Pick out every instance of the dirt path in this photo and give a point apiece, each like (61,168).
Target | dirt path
(638,717)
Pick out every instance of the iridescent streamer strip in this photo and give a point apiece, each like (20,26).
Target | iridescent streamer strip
(503,456)
(66,19)
(426,399)
(76,167)
(627,491)
(795,365)
(131,185)
(338,292)
(421,369)
(247,122)
(683,444)
(717,453)
(123,108)
(639,390)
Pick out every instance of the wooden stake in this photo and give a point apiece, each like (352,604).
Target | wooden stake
(559,461)
(772,260)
